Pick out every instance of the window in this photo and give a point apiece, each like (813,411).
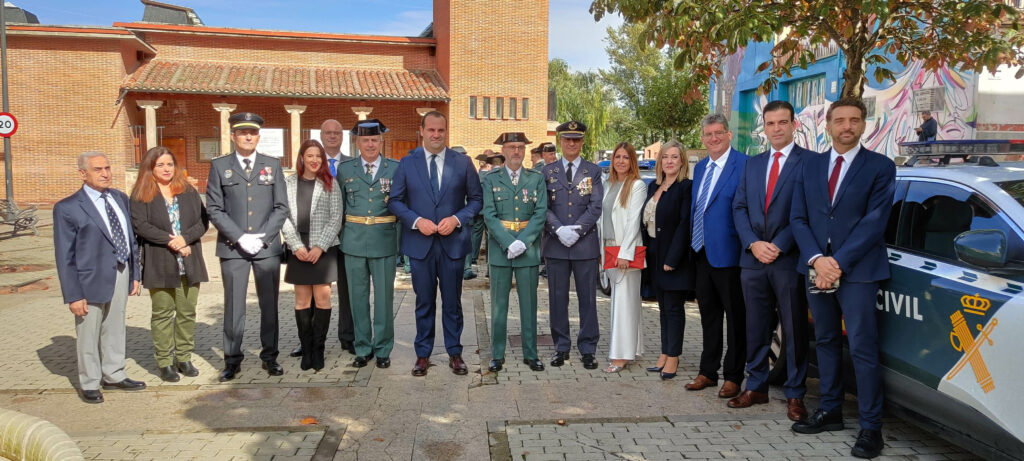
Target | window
(499,107)
(512,109)
(526,108)
(472,107)
(806,92)
(935,214)
(487,107)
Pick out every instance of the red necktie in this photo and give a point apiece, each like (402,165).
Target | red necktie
(773,177)
(833,179)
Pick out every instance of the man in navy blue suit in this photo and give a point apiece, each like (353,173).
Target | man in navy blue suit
(768,262)
(840,209)
(98,267)
(436,193)
(717,247)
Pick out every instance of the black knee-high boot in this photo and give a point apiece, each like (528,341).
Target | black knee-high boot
(321,323)
(304,321)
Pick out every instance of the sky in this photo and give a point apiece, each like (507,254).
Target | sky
(573,36)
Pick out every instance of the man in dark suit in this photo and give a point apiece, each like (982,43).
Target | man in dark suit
(98,267)
(717,252)
(768,262)
(571,244)
(436,193)
(840,209)
(247,202)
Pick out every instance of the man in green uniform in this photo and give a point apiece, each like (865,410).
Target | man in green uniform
(515,211)
(370,243)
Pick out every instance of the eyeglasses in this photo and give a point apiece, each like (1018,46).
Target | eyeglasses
(716,134)
(516,148)
(332,133)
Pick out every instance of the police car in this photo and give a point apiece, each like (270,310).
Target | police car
(951,317)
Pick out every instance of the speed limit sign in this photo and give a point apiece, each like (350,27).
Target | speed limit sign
(8,125)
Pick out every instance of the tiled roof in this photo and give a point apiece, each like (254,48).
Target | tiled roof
(254,79)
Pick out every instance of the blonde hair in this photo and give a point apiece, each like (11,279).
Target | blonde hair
(659,173)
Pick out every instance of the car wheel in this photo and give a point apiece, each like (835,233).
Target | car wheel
(604,283)
(777,357)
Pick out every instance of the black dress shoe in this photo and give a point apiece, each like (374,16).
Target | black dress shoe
(273,369)
(559,359)
(168,374)
(361,361)
(869,444)
(229,372)
(92,396)
(125,385)
(297,352)
(589,362)
(654,369)
(187,369)
(348,346)
(820,421)
(468,275)
(535,365)
(496,364)
(383,362)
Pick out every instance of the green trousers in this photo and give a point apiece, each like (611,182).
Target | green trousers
(379,338)
(526,288)
(174,322)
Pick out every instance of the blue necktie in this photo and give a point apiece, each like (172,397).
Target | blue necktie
(434,186)
(120,243)
(334,170)
(697,242)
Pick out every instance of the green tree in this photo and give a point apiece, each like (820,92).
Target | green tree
(584,97)
(964,34)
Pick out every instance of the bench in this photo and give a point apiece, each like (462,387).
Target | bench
(21,218)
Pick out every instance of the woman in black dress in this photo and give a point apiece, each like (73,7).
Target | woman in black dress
(666,230)
(311,233)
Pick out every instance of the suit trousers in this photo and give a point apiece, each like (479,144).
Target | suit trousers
(376,335)
(100,337)
(526,289)
(427,273)
(627,339)
(776,294)
(174,322)
(235,273)
(345,322)
(584,272)
(853,303)
(720,293)
(672,313)
(479,229)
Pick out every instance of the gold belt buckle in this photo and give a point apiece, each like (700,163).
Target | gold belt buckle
(369,220)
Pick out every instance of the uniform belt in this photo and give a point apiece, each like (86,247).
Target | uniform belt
(515,226)
(369,220)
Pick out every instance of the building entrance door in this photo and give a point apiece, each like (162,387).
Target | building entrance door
(177,147)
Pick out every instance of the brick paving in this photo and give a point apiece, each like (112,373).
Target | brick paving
(277,445)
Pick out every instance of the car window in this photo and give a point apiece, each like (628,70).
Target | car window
(934,214)
(892,227)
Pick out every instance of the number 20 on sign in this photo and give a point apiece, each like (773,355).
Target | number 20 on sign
(8,125)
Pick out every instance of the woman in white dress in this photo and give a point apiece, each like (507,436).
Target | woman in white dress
(624,196)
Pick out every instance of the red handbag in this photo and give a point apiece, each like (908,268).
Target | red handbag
(611,256)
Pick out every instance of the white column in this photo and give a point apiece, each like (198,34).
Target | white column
(225,126)
(423,110)
(150,107)
(296,131)
(362,112)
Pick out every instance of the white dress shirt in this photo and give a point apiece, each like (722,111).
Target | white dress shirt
(782,162)
(97,200)
(847,160)
(241,160)
(719,166)
(440,164)
(575,166)
(375,163)
(337,161)
(518,172)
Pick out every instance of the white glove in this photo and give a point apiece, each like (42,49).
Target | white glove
(251,243)
(568,235)
(515,249)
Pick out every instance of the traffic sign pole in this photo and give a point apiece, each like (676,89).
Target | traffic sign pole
(8,170)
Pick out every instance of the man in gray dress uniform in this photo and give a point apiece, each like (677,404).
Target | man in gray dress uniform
(247,203)
(571,244)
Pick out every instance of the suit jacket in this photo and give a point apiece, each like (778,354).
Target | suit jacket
(752,223)
(324,216)
(240,205)
(929,130)
(362,197)
(721,242)
(526,202)
(625,221)
(153,227)
(671,246)
(578,204)
(412,197)
(85,254)
(855,224)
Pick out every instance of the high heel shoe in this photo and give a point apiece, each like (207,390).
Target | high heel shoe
(667,376)
(655,369)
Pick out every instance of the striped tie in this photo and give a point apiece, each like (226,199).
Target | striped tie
(116,232)
(697,242)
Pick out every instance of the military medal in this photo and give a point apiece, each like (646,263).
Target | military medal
(585,186)
(385,188)
(526,196)
(227,174)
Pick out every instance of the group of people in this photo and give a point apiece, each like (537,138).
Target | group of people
(756,240)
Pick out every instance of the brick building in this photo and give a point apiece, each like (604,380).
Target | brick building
(172,80)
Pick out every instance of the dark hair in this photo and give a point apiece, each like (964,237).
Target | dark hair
(146,188)
(632,175)
(433,113)
(779,105)
(324,173)
(847,102)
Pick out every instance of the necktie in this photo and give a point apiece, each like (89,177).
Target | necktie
(334,170)
(833,179)
(248,167)
(369,171)
(434,184)
(773,177)
(515,178)
(568,173)
(697,242)
(120,242)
